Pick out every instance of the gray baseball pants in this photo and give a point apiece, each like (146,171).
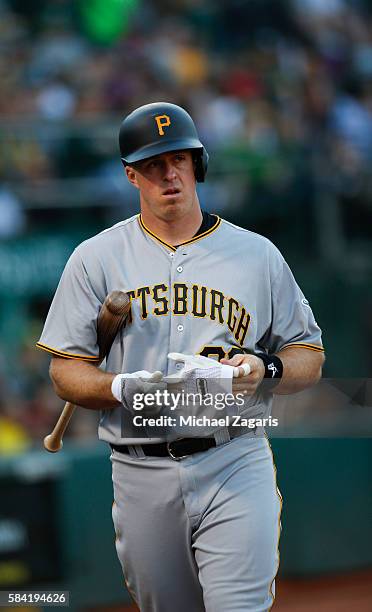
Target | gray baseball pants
(200,534)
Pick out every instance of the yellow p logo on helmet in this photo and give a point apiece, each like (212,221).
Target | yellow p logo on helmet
(162,122)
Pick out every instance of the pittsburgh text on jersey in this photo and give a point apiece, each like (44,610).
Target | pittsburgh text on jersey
(193,300)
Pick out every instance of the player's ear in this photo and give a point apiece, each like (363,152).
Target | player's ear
(131,175)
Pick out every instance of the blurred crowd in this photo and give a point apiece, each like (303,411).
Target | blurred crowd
(281,91)
(29,408)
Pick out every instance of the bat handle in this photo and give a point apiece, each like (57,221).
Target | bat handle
(53,442)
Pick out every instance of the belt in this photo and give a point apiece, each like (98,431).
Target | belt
(178,449)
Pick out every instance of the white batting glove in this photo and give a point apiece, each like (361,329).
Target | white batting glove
(198,367)
(125,386)
(190,362)
(198,361)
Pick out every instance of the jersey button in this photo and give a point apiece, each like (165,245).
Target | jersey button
(179,269)
(180,327)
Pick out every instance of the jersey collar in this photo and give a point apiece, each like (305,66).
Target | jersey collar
(194,239)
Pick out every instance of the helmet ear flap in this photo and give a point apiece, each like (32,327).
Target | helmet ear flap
(201,165)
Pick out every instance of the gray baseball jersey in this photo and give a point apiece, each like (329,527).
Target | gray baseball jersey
(227,290)
(215,515)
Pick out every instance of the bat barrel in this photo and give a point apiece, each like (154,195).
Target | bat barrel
(118,302)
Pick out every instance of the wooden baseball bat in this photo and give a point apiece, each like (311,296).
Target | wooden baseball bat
(112,316)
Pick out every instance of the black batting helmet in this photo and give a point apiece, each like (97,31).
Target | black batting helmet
(157,128)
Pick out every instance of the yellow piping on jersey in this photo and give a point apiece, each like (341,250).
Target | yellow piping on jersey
(311,347)
(59,353)
(170,246)
(204,234)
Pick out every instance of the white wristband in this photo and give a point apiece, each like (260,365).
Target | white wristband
(116,387)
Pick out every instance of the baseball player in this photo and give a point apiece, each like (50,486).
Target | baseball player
(197,517)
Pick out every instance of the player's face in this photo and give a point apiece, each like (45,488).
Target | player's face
(166,183)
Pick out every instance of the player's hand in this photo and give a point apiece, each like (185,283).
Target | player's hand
(195,368)
(246,383)
(193,363)
(125,386)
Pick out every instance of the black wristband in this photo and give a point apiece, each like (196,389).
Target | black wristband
(273,365)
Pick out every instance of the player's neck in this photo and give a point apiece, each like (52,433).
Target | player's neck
(176,230)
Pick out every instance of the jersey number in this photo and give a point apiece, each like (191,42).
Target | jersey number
(218,353)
